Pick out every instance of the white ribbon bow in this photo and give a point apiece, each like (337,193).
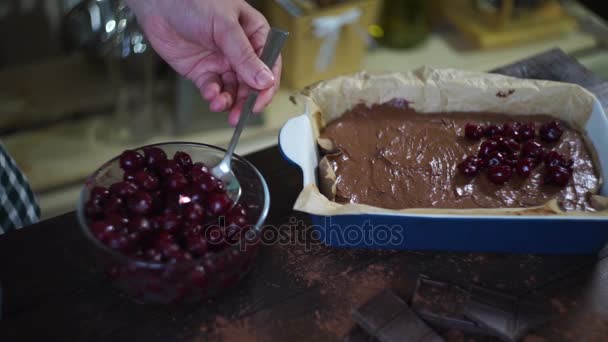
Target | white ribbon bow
(328,28)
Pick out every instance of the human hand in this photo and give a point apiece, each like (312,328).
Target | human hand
(215,44)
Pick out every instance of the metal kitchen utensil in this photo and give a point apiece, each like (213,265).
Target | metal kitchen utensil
(270,54)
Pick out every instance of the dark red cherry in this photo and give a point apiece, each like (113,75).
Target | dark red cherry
(93,210)
(153,254)
(551,131)
(495,158)
(131,161)
(487,147)
(206,184)
(134,238)
(509,145)
(99,194)
(101,229)
(192,229)
(140,203)
(119,242)
(218,203)
(114,204)
(176,182)
(197,244)
(169,222)
(141,224)
(512,130)
(123,189)
(533,149)
(199,278)
(179,256)
(129,176)
(554,158)
(527,132)
(146,180)
(163,239)
(169,168)
(197,197)
(154,157)
(473,131)
(470,166)
(194,212)
(557,175)
(500,174)
(183,159)
(236,219)
(198,172)
(118,220)
(215,237)
(492,130)
(524,167)
(215,263)
(233,233)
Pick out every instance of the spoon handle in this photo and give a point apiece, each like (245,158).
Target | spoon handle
(274,44)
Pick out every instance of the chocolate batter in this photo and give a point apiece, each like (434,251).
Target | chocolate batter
(389,156)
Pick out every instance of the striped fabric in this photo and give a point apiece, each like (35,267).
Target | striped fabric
(18,207)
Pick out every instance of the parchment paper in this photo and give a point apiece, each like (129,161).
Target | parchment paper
(440,90)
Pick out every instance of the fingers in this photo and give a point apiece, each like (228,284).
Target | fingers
(267,95)
(227,97)
(237,48)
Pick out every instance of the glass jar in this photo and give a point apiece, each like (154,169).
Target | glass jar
(404,23)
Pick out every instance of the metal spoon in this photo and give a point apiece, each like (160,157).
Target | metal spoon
(274,44)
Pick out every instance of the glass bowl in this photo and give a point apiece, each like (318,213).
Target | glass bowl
(189,280)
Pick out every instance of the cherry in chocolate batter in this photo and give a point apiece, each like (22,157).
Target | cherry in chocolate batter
(392,157)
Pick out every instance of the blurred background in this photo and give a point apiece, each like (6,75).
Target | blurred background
(79,82)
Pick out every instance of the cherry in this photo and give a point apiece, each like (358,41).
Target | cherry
(119,242)
(470,166)
(183,159)
(199,172)
(99,194)
(134,238)
(197,197)
(93,210)
(123,189)
(492,130)
(169,168)
(129,176)
(176,182)
(533,149)
(215,263)
(524,167)
(215,237)
(141,224)
(101,229)
(233,233)
(154,157)
(487,147)
(236,219)
(527,132)
(163,239)
(206,184)
(169,249)
(238,209)
(218,203)
(153,254)
(192,229)
(158,200)
(114,204)
(194,212)
(473,131)
(554,158)
(197,245)
(140,203)
(558,175)
(199,278)
(551,131)
(512,130)
(495,158)
(509,145)
(118,220)
(169,222)
(178,256)
(146,180)
(131,161)
(499,174)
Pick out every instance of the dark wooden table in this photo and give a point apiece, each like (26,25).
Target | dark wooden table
(296,292)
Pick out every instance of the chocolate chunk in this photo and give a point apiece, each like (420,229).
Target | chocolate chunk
(508,317)
(442,304)
(388,318)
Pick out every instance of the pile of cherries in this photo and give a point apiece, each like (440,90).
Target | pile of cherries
(169,211)
(512,149)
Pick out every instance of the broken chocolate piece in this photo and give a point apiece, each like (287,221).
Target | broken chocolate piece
(442,304)
(388,318)
(508,317)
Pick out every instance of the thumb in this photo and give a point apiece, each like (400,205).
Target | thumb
(237,48)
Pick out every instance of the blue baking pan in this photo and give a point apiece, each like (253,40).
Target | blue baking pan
(466,233)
